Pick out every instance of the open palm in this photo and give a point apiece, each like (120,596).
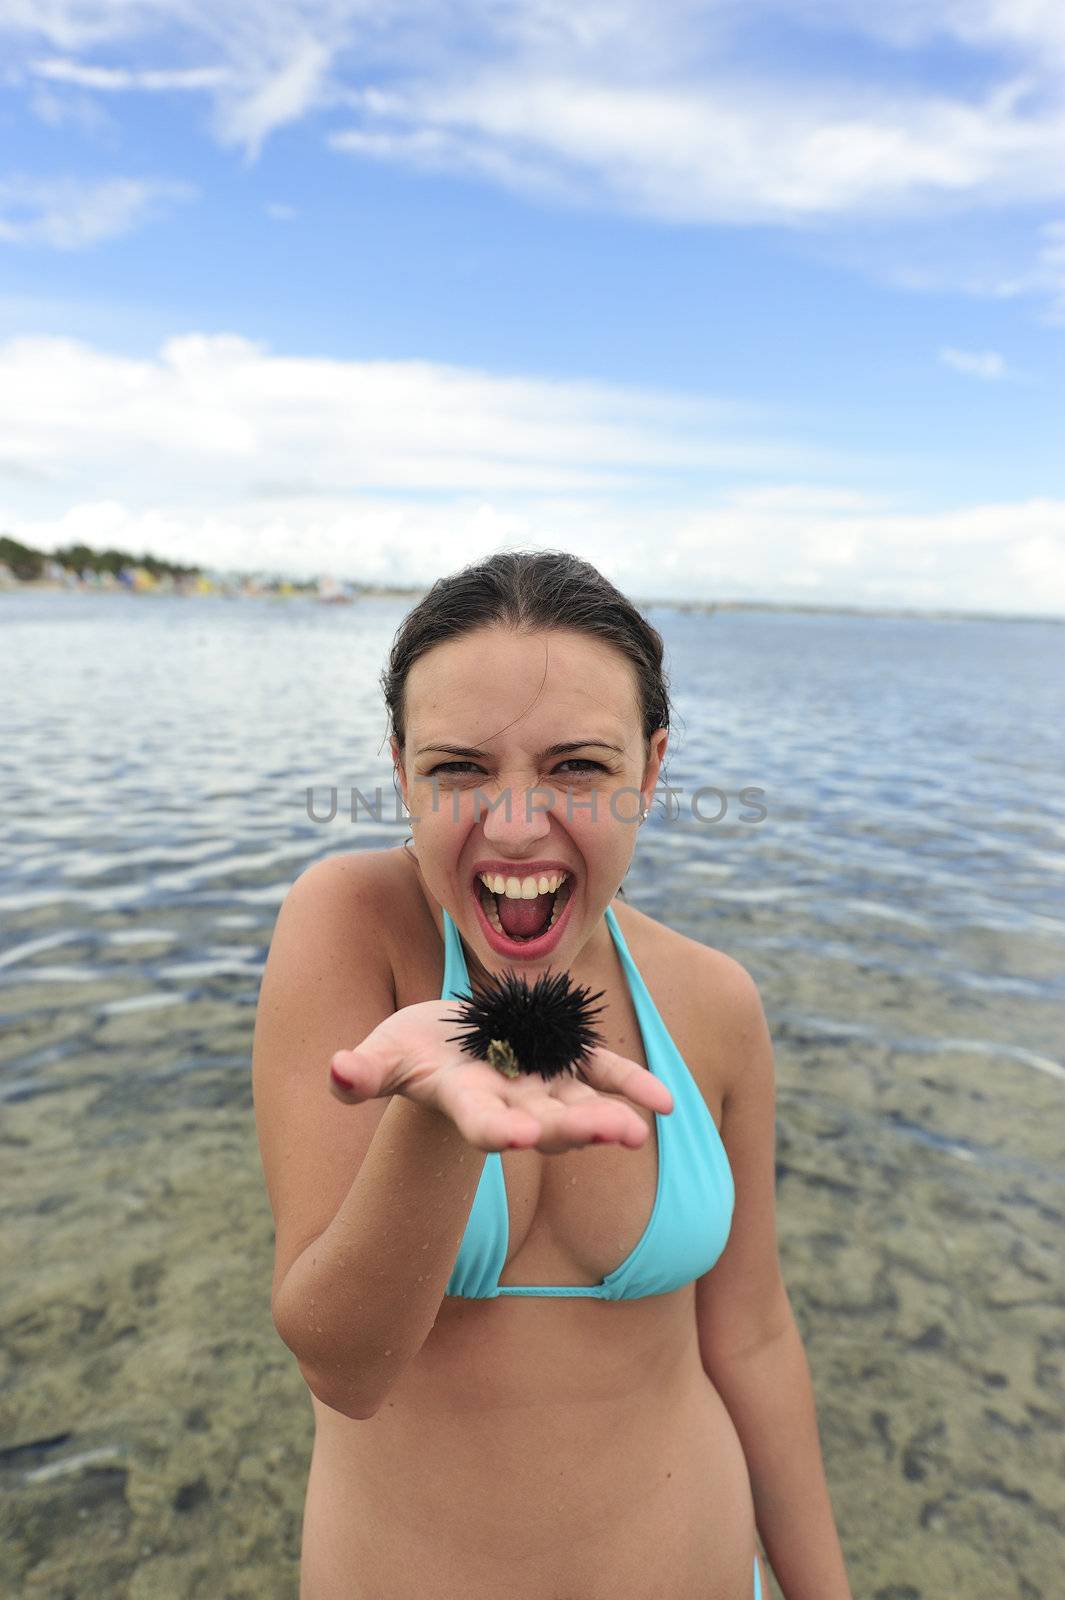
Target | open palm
(410,1053)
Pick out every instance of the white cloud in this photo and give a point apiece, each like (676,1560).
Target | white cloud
(442,150)
(1045,277)
(71,214)
(677,110)
(114,79)
(1003,559)
(985,364)
(793,498)
(1048,275)
(264,62)
(661,109)
(64,109)
(1030,31)
(278,94)
(727,150)
(219,452)
(212,411)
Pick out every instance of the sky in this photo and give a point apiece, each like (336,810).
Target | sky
(756,300)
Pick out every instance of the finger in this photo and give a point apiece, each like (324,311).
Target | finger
(570,1124)
(359,1074)
(606,1070)
(590,1116)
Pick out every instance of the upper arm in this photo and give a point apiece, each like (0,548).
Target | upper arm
(327,984)
(742,1301)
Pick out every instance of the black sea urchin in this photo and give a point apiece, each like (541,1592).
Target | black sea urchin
(545,1029)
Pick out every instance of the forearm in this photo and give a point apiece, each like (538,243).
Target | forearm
(769,1396)
(361,1300)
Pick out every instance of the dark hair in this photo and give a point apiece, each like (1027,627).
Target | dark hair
(526,591)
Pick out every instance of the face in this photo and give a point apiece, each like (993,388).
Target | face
(483,713)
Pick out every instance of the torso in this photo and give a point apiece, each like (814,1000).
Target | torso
(539,1448)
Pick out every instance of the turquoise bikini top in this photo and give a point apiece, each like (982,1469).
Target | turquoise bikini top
(692,1215)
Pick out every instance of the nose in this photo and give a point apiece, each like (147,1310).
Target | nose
(516,816)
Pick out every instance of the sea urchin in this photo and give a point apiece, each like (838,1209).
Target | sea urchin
(545,1029)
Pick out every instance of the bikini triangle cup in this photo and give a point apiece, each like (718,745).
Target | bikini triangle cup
(694,1196)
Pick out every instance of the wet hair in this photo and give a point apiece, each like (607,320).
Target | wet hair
(529,591)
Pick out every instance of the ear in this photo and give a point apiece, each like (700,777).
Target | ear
(658,742)
(397,757)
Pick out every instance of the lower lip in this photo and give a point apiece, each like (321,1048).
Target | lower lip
(526,949)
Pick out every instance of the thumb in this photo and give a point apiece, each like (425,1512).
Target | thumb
(348,1075)
(364,1072)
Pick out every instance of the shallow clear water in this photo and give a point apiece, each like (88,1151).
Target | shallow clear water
(158,755)
(901,904)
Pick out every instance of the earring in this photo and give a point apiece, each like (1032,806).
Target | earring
(645,813)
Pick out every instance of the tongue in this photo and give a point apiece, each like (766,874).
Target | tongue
(520,919)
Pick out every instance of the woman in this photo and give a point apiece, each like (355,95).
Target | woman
(539,1370)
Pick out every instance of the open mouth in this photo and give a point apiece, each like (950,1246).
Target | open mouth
(527,916)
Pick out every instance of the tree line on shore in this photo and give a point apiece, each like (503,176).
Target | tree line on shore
(29,565)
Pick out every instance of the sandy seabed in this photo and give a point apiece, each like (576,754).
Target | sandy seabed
(156,1432)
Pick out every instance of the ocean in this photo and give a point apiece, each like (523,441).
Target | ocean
(877,834)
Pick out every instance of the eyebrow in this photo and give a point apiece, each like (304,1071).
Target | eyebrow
(552,750)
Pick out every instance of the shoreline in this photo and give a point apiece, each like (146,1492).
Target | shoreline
(704,607)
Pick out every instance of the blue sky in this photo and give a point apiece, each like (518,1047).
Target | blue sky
(750,301)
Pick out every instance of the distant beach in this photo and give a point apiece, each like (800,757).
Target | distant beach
(652,603)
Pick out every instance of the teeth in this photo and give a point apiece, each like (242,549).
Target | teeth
(492,914)
(490,911)
(522,888)
(560,903)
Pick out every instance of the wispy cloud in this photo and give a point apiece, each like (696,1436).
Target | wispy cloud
(657,108)
(1043,276)
(277,93)
(65,109)
(1031,31)
(915,115)
(1050,270)
(729,152)
(1046,276)
(70,214)
(113,80)
(985,364)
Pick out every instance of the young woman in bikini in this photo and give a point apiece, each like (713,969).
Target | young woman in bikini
(549,1348)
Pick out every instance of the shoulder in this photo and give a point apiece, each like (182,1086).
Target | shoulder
(664,946)
(352,875)
(348,866)
(335,900)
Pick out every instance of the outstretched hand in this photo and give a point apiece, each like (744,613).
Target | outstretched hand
(409,1053)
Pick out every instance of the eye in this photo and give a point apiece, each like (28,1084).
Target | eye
(571,761)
